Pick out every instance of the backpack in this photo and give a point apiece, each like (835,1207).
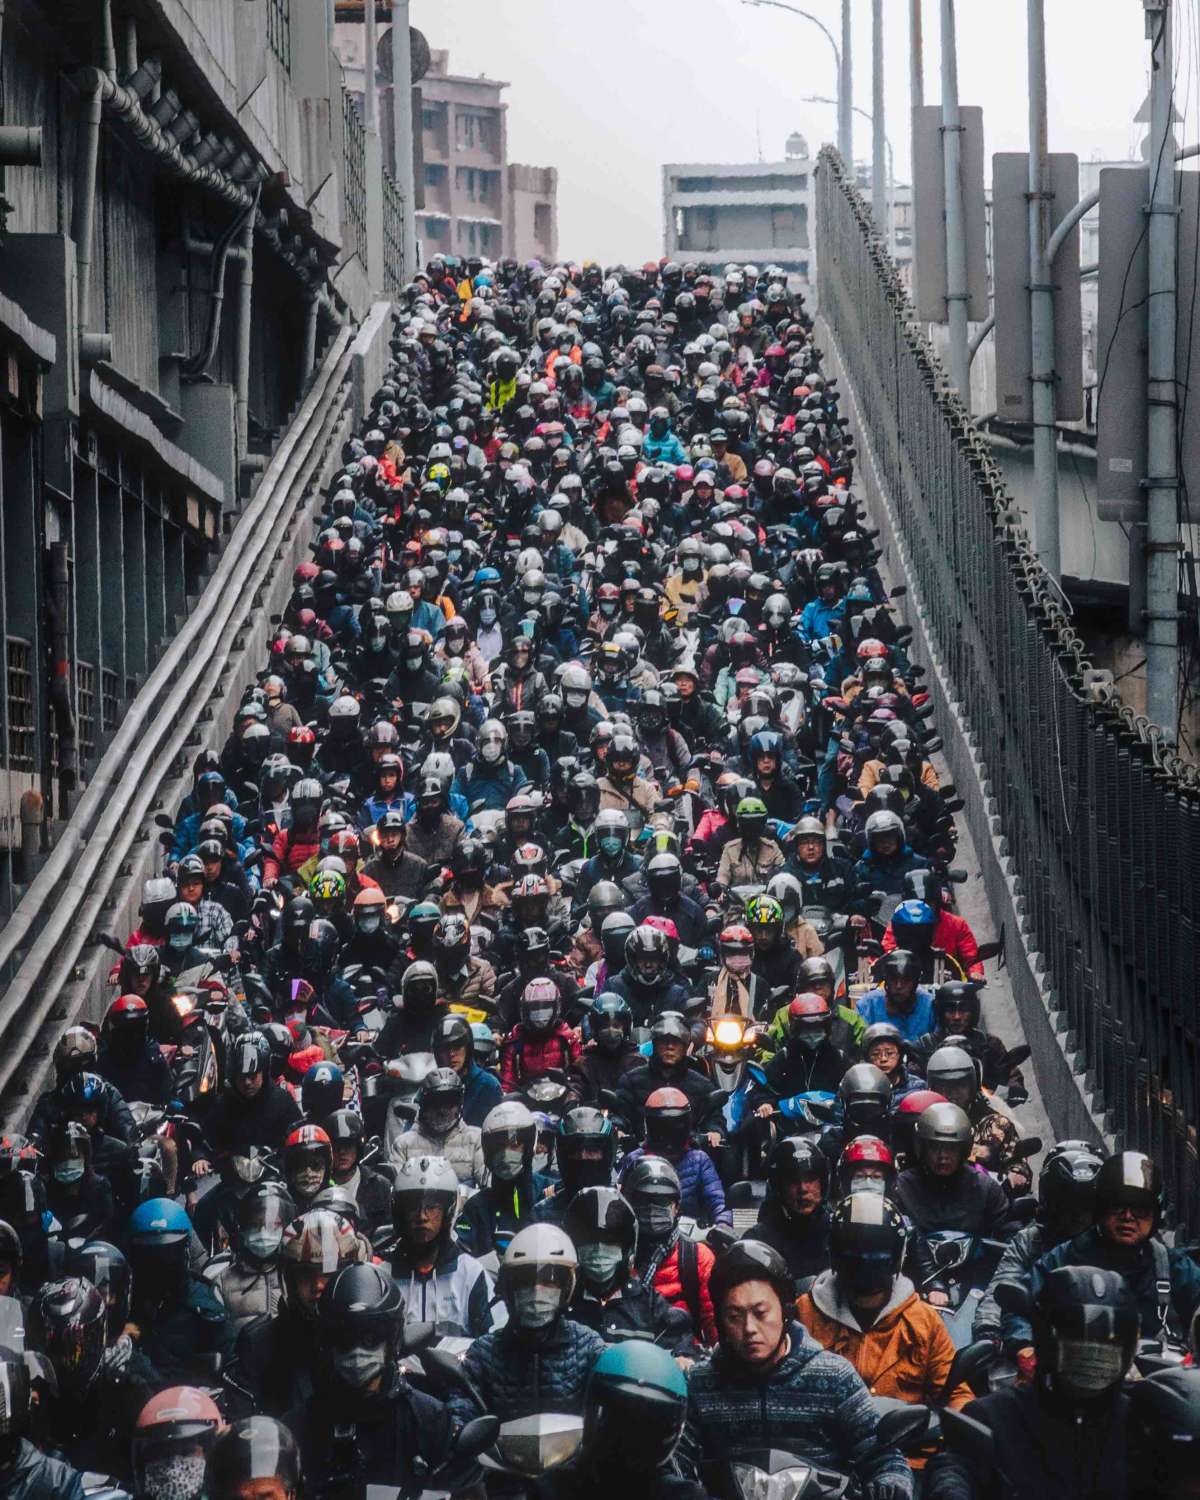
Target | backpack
(689,1280)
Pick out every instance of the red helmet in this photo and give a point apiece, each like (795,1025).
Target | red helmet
(301,734)
(170,1426)
(665,926)
(919,1101)
(871,649)
(126,1013)
(304,573)
(808,1006)
(668,1116)
(809,1020)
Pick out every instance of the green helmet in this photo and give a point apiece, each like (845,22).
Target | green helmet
(635,1408)
(764,911)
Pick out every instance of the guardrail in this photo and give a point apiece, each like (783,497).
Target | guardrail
(44,950)
(1100,818)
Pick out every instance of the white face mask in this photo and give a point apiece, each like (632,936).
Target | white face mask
(536,1306)
(358,1367)
(508,1164)
(180,1476)
(261,1243)
(600,1263)
(491,751)
(487,617)
(861,1183)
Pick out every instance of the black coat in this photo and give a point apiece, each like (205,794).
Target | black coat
(970,1201)
(265,1120)
(275,1363)
(638,1084)
(635,1308)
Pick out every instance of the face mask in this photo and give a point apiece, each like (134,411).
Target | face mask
(440,1121)
(368,924)
(600,1263)
(308,1180)
(377,642)
(358,1367)
(608,609)
(611,848)
(609,1039)
(414,663)
(541,1016)
(656,1220)
(536,1306)
(69,1171)
(807,1041)
(179,1477)
(860,1183)
(261,1243)
(455,646)
(179,942)
(576,700)
(487,617)
(738,963)
(490,751)
(1086,1369)
(508,1164)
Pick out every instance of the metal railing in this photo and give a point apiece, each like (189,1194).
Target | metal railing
(354,177)
(279,30)
(21,705)
(393,237)
(1101,820)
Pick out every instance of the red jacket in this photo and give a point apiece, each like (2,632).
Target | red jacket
(952,935)
(669,1284)
(288,854)
(524,1058)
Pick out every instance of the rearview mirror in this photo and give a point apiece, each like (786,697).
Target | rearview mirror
(902,1428)
(740,1195)
(969,1365)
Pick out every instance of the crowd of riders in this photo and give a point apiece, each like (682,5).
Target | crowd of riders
(549,1058)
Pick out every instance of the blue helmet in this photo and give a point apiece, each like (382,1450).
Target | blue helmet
(635,1407)
(910,914)
(159,1221)
(322,1090)
(487,578)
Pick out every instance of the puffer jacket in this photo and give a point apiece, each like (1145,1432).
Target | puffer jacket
(288,852)
(812,1404)
(519,1373)
(907,1351)
(247,1293)
(482,1092)
(703,1196)
(524,1058)
(462,1148)
(36,1476)
(667,1281)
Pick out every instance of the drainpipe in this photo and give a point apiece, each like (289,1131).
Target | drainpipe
(83,219)
(312,313)
(197,367)
(245,301)
(58,610)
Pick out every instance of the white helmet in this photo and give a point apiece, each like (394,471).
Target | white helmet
(537,1276)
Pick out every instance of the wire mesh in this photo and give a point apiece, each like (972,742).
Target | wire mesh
(354,177)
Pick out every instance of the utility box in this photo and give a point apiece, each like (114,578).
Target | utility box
(929,213)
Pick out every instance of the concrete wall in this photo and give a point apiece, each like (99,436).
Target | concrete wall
(531,230)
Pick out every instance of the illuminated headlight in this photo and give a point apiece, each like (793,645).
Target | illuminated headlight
(728,1033)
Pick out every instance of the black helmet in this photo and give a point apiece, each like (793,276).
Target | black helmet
(867,1236)
(440,1101)
(359,1318)
(604,898)
(587,1147)
(866,1098)
(814,972)
(604,1230)
(941,1127)
(955,995)
(647,956)
(72,1318)
(751,1260)
(792,1159)
(263,1213)
(1130,1179)
(652,1187)
(664,878)
(953,1072)
(898,964)
(449,1032)
(614,937)
(108,1271)
(1067,1191)
(254,1448)
(249,1054)
(1085,1330)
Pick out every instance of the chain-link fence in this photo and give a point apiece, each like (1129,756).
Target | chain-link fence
(354,177)
(1101,820)
(279,30)
(393,237)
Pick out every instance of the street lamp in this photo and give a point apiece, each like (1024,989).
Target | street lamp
(891,205)
(845,147)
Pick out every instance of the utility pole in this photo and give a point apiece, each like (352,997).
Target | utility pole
(403,131)
(1162,478)
(846,96)
(1041,307)
(916,56)
(373,148)
(879,191)
(956,232)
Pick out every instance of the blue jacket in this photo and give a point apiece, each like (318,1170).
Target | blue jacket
(482,1092)
(374,808)
(872,1007)
(491,785)
(887,875)
(428,617)
(819,619)
(1139,1268)
(703,1196)
(519,1374)
(187,835)
(457,804)
(664,450)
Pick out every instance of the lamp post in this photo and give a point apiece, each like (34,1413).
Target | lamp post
(841,62)
(891,156)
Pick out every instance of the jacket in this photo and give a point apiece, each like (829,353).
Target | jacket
(803,1241)
(520,1373)
(482,1092)
(523,1058)
(907,1351)
(690,918)
(595,1070)
(265,1120)
(1020,1256)
(461,1148)
(489,787)
(740,866)
(682,1278)
(1142,1267)
(404,878)
(703,1196)
(872,1007)
(663,450)
(145,1078)
(812,1403)
(639,794)
(36,1476)
(888,876)
(275,1363)
(456,1296)
(638,1084)
(170,1339)
(491,1217)
(247,1292)
(798,1071)
(970,1201)
(635,1308)
(433,843)
(952,935)
(289,851)
(475,979)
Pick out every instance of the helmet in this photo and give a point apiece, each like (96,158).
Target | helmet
(866,1098)
(322,1090)
(603,899)
(647,956)
(359,1318)
(764,918)
(1067,1190)
(788,891)
(440,1101)
(750,1260)
(939,1127)
(170,1428)
(668,1116)
(263,1213)
(1130,1179)
(652,1187)
(952,1071)
(883,825)
(98,1262)
(867,1237)
(866,1165)
(609,1021)
(159,1222)
(541,1006)
(634,1409)
(751,815)
(76,1049)
(71,1317)
(307,1160)
(810,1022)
(956,995)
(664,878)
(898,964)
(587,1148)
(881,1032)
(421,1182)
(254,1448)
(793,1159)
(537,1276)
(509,1134)
(814,972)
(449,1033)
(913,923)
(126,1022)
(603,1229)
(452,940)
(611,830)
(1085,1330)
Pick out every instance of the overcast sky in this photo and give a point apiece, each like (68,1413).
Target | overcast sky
(609,92)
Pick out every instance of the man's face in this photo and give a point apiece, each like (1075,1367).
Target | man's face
(1126,1226)
(670,1050)
(248,1085)
(802,1197)
(391,840)
(258,1489)
(765,764)
(810,849)
(943,1161)
(752,1323)
(958,1020)
(423,1224)
(212,871)
(887,846)
(453,1057)
(387,782)
(900,992)
(345,1159)
(310,1283)
(686,685)
(191,888)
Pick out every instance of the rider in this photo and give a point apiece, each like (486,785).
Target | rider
(677,1266)
(667,1116)
(441,1283)
(899,998)
(943,1190)
(495,1213)
(794,1216)
(440,1129)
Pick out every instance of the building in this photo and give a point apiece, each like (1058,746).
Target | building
(471,200)
(758,212)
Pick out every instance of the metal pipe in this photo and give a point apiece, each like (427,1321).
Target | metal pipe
(58,612)
(129,45)
(981,334)
(846,94)
(956,238)
(370,84)
(83,215)
(402,128)
(245,308)
(1162,478)
(1041,307)
(21,145)
(312,315)
(108,50)
(878,140)
(198,366)
(916,55)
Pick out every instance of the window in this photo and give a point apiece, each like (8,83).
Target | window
(542,221)
(430,119)
(478,184)
(475,130)
(435,175)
